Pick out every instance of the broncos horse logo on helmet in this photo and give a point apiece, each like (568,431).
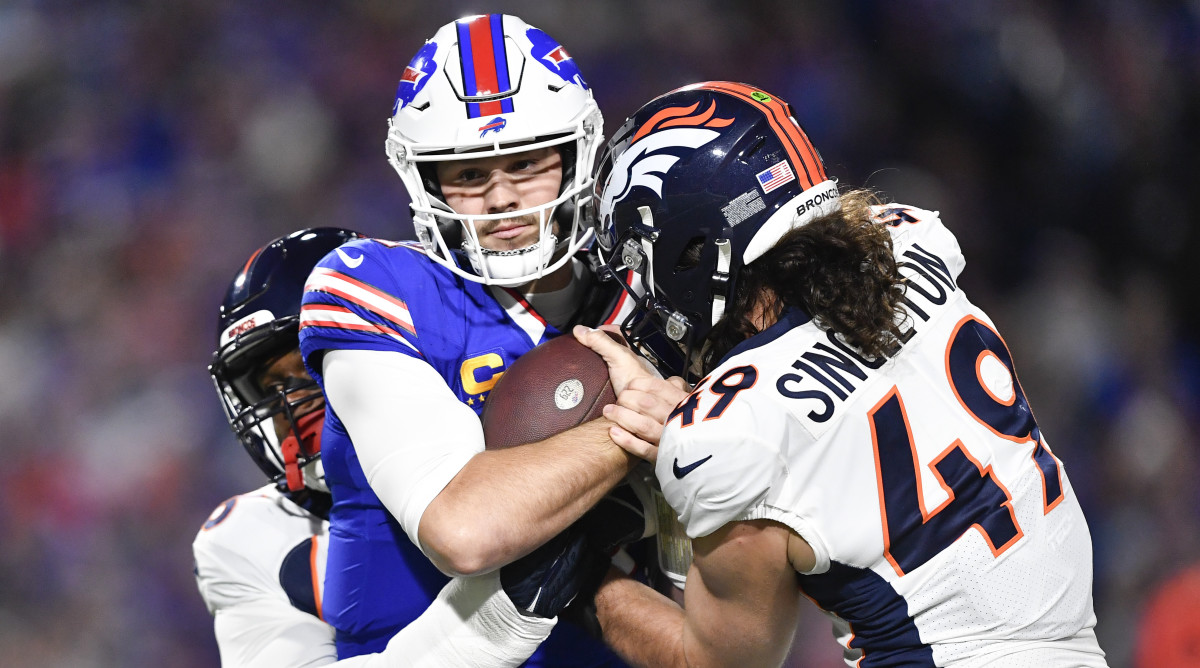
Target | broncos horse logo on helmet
(258,323)
(644,165)
(689,199)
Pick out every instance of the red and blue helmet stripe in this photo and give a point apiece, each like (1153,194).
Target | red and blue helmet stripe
(484,64)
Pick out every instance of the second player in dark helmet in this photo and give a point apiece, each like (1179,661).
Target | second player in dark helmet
(272,404)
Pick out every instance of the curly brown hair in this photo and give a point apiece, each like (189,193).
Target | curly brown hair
(838,268)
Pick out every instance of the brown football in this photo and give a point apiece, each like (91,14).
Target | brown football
(557,385)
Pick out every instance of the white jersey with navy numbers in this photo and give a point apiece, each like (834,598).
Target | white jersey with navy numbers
(260,561)
(946,532)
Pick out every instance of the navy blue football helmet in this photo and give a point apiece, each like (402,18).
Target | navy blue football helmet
(695,185)
(257,326)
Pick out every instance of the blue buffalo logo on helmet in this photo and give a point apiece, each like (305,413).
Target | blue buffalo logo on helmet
(495,125)
(415,76)
(554,57)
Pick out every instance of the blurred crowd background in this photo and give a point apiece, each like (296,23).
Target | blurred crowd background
(147,148)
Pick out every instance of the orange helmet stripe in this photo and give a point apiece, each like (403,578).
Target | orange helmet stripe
(799,149)
(679,116)
(253,257)
(692,120)
(669,112)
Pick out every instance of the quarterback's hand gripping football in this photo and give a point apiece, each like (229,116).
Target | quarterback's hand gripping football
(644,399)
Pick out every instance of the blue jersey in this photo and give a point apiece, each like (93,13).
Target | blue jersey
(375,295)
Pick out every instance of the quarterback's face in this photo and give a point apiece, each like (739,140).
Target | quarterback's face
(287,373)
(503,183)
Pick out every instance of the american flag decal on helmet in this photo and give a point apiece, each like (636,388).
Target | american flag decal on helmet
(484,62)
(775,176)
(807,164)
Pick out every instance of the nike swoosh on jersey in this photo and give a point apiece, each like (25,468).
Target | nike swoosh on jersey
(351,262)
(681,471)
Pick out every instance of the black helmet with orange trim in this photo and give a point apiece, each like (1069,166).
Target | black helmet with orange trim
(258,326)
(695,185)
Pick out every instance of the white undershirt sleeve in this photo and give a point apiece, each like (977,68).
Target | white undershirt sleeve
(411,434)
(471,624)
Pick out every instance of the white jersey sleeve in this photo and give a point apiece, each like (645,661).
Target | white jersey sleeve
(268,634)
(705,486)
(471,624)
(720,461)
(411,434)
(239,555)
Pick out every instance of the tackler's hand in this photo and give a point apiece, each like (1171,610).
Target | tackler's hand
(624,365)
(641,411)
(644,399)
(625,515)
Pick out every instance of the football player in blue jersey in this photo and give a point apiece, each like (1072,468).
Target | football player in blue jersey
(260,558)
(493,133)
(856,433)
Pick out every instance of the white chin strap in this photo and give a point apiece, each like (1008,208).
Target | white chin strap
(724,259)
(512,264)
(314,476)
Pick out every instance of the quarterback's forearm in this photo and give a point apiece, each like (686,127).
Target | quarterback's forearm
(504,503)
(421,451)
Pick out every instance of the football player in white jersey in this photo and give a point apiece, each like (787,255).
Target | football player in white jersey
(260,557)
(857,434)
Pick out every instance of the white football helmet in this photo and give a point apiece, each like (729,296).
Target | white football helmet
(485,86)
